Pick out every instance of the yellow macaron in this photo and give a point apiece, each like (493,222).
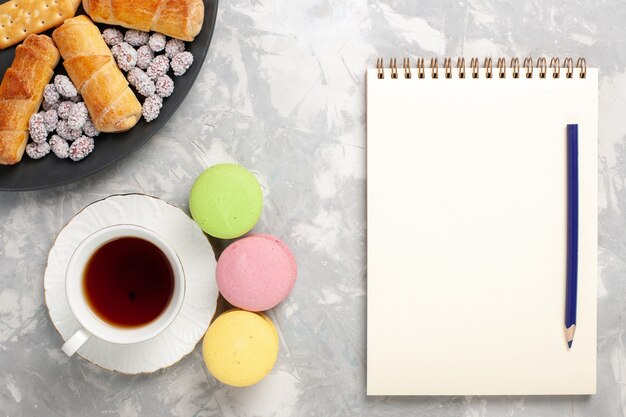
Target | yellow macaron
(240,347)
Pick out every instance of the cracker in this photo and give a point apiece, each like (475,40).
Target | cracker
(20,18)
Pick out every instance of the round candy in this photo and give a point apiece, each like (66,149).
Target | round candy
(174,46)
(136,37)
(145,55)
(125,55)
(159,66)
(64,109)
(59,146)
(226,201)
(181,63)
(256,273)
(89,129)
(164,86)
(37,150)
(37,128)
(157,42)
(81,147)
(51,118)
(77,116)
(152,107)
(142,83)
(240,348)
(50,95)
(112,36)
(64,86)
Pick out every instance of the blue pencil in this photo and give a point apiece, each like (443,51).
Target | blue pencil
(572,234)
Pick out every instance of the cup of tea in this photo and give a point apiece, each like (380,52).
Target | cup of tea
(124,284)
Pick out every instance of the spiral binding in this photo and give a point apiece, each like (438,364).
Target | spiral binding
(527,68)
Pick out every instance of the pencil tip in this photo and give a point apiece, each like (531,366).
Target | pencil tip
(569,335)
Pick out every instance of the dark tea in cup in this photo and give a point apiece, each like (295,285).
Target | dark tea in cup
(128,282)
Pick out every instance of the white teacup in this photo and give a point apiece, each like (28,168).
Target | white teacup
(92,325)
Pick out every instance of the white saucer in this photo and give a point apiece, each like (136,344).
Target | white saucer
(198,261)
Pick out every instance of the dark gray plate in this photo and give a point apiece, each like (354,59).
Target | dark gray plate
(52,171)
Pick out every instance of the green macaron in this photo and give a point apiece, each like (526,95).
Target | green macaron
(226,201)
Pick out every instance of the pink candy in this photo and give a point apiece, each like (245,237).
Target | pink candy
(112,36)
(77,116)
(125,56)
(152,107)
(164,86)
(145,55)
(136,37)
(65,87)
(59,146)
(142,83)
(81,147)
(159,66)
(37,150)
(50,120)
(174,46)
(51,97)
(157,42)
(89,129)
(181,63)
(66,132)
(37,128)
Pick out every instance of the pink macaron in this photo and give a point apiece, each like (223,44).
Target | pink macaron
(256,273)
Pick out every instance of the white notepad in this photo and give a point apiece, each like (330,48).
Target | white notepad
(466,212)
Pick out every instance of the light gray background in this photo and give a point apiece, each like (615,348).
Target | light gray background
(282,92)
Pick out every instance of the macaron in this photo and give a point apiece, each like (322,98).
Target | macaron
(226,201)
(240,348)
(256,273)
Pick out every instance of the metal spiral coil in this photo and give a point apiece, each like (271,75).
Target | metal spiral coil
(554,68)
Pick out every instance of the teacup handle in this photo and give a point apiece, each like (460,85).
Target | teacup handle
(75,342)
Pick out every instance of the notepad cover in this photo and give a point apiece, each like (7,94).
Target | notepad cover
(466,217)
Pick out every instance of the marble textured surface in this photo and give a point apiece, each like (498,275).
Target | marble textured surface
(282,92)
